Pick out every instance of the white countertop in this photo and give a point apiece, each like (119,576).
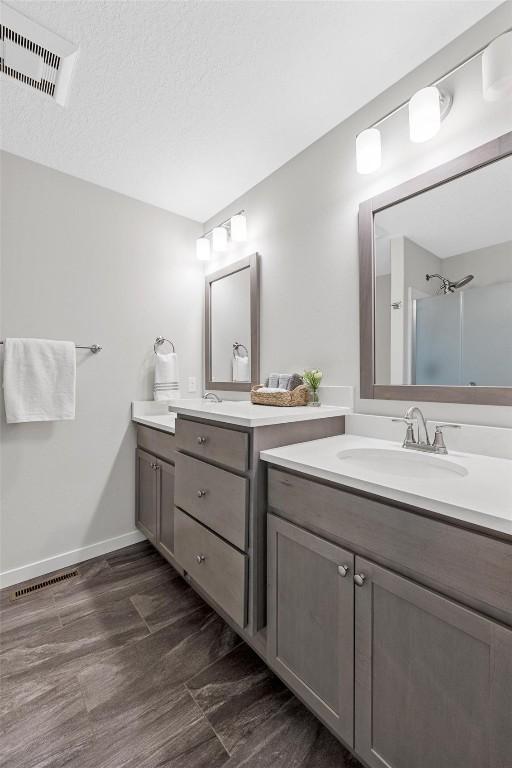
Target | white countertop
(166,422)
(240,412)
(483,497)
(245,414)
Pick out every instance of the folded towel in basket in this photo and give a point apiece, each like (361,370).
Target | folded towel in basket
(295,381)
(286,381)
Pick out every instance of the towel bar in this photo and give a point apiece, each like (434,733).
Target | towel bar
(92,347)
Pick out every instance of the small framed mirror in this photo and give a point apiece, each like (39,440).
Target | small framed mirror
(436,283)
(232,352)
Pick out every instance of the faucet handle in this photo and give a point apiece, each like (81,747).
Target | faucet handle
(409,436)
(438,442)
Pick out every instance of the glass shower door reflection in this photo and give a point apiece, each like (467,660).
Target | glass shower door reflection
(437,351)
(487,336)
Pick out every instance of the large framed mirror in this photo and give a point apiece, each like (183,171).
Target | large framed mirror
(232,322)
(436,283)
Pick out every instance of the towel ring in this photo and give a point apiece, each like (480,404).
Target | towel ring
(161,340)
(237,346)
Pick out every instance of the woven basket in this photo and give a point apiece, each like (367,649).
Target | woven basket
(297,396)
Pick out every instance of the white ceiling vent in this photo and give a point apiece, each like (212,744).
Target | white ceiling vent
(34,55)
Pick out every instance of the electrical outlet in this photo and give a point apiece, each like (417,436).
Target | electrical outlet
(192,384)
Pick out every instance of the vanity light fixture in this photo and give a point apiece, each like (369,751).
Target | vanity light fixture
(203,249)
(216,239)
(368,151)
(497,68)
(428,106)
(426,110)
(219,238)
(424,114)
(238,226)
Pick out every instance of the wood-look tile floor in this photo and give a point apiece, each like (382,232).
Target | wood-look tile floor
(124,666)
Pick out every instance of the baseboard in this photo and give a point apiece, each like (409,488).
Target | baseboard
(55,563)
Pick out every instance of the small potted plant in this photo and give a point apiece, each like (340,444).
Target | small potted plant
(313,379)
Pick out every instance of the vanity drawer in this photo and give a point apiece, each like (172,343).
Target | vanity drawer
(214,496)
(218,568)
(224,446)
(153,441)
(472,567)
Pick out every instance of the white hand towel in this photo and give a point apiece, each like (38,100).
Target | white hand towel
(241,370)
(39,380)
(167,382)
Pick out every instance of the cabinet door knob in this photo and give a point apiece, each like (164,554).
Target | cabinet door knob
(157,467)
(200,558)
(343,570)
(201,439)
(359,579)
(202,493)
(153,465)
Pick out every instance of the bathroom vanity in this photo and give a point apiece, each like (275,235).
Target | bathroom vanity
(381,596)
(392,622)
(200,495)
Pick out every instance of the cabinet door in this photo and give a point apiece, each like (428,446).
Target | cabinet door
(165,506)
(146,494)
(433,680)
(310,630)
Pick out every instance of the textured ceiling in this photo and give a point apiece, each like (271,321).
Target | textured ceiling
(186,105)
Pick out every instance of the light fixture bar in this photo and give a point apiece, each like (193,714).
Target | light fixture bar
(439,80)
(225,223)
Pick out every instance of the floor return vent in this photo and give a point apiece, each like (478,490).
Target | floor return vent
(17,593)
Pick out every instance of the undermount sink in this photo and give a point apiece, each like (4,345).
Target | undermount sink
(401,463)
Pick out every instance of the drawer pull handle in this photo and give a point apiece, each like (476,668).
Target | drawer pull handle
(359,579)
(200,558)
(201,493)
(343,570)
(201,440)
(156,467)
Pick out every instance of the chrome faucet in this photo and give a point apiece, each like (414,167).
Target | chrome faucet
(413,413)
(212,396)
(421,441)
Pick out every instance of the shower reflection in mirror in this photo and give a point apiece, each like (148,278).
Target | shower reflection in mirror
(443,284)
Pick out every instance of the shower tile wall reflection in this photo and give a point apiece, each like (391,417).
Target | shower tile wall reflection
(443,284)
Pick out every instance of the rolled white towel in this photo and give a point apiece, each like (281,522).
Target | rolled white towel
(241,369)
(167,382)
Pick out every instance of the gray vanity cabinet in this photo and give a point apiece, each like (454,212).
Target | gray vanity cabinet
(310,632)
(165,507)
(431,678)
(154,507)
(146,494)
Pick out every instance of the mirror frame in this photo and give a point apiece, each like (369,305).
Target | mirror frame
(251,263)
(471,161)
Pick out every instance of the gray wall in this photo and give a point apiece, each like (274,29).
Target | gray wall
(488,265)
(303,221)
(83,263)
(382,328)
